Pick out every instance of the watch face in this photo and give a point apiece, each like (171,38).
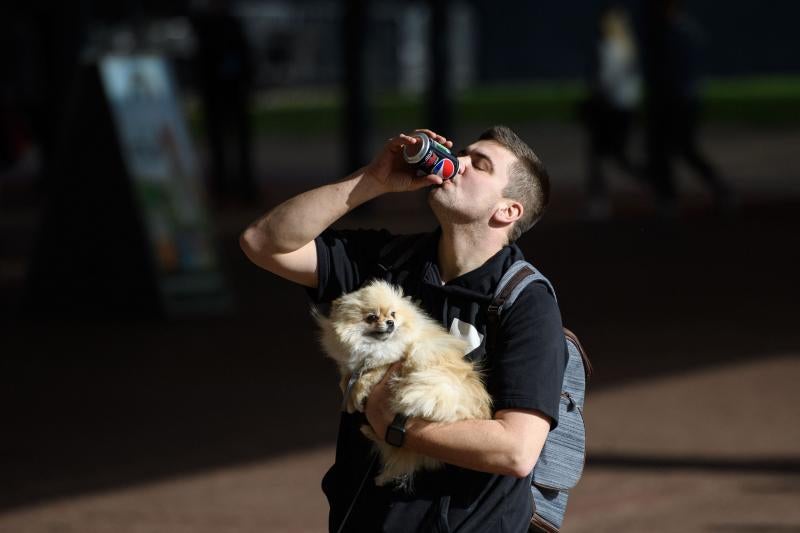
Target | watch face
(396,432)
(395,436)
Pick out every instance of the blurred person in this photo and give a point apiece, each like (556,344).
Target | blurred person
(614,95)
(672,76)
(19,153)
(225,73)
(500,190)
(23,107)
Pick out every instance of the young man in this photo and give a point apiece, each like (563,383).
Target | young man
(500,190)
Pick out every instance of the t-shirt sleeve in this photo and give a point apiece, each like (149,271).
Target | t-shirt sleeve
(528,367)
(345,260)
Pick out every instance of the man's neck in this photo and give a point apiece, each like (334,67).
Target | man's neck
(462,250)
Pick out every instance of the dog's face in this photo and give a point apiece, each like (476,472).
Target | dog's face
(372,323)
(374,313)
(379,323)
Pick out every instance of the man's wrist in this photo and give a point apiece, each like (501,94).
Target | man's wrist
(395,433)
(369,187)
(373,186)
(414,429)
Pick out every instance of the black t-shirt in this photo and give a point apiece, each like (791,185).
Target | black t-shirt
(524,372)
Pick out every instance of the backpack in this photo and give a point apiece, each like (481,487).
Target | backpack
(561,461)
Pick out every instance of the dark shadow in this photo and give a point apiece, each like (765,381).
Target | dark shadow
(759,527)
(778,465)
(89,404)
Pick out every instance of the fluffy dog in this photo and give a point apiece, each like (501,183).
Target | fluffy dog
(370,329)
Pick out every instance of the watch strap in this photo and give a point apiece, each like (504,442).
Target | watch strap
(396,431)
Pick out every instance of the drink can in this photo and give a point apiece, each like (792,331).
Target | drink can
(430,157)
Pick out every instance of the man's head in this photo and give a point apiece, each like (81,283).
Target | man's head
(528,180)
(501,182)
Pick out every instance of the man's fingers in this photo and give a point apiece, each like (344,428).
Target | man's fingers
(434,179)
(420,182)
(396,143)
(392,370)
(435,136)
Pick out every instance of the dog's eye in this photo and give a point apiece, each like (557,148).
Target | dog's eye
(372,318)
(392,314)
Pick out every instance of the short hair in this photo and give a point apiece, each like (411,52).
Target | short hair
(528,180)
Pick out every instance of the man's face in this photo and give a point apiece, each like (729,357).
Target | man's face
(474,193)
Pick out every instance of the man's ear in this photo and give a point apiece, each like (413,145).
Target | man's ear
(508,211)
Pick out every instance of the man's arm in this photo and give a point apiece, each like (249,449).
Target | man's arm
(282,241)
(509,444)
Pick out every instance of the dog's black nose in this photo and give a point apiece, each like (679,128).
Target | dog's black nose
(390,325)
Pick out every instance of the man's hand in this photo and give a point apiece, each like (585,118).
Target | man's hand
(282,241)
(378,407)
(390,170)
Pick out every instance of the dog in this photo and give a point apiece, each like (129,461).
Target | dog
(375,326)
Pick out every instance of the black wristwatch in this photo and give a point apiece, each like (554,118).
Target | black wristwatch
(396,432)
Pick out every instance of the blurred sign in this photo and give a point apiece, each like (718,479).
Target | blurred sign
(161,163)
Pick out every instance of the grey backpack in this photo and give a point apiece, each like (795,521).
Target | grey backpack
(561,462)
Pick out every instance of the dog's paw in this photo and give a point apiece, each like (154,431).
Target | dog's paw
(403,482)
(368,432)
(353,405)
(358,401)
(349,407)
(382,479)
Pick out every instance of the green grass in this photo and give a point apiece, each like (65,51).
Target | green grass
(770,101)
(764,101)
(510,104)
(521,103)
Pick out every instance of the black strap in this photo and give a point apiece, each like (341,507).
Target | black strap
(350,382)
(394,254)
(358,493)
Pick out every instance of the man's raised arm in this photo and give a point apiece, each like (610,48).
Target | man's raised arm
(282,241)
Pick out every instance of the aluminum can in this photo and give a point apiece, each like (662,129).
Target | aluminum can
(430,157)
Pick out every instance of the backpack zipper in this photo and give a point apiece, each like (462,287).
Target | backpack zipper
(572,404)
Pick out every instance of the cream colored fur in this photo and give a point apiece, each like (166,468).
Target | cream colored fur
(435,382)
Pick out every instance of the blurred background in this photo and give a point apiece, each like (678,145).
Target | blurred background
(151,379)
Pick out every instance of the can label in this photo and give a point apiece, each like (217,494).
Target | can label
(445,169)
(430,160)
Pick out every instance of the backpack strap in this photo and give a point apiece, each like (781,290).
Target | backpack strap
(516,278)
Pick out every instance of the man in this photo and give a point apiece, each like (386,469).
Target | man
(673,83)
(500,190)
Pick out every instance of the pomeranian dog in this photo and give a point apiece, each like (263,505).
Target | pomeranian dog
(370,329)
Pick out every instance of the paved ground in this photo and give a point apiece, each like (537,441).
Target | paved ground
(705,451)
(226,423)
